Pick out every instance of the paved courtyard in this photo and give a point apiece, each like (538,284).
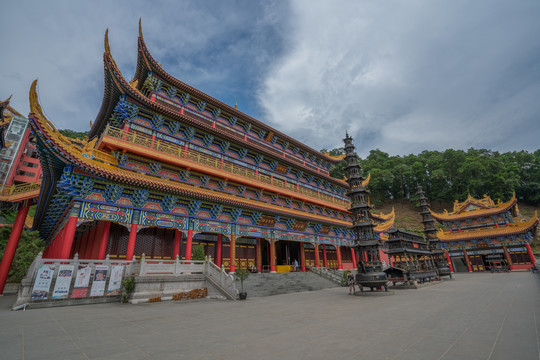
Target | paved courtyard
(475,316)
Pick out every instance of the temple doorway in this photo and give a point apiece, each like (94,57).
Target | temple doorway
(155,243)
(287,252)
(265,254)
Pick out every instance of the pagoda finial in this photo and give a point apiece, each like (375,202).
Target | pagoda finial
(236,104)
(140,29)
(107,48)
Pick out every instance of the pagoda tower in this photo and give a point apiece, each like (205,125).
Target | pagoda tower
(367,244)
(441,257)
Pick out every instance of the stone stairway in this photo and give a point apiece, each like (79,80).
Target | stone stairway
(266,284)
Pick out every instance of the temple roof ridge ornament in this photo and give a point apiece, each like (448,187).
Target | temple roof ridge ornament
(387,224)
(108,51)
(472,207)
(509,229)
(365,183)
(35,108)
(107,47)
(333,157)
(383,217)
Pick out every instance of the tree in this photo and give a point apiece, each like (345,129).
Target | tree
(451,174)
(28,248)
(81,135)
(197,252)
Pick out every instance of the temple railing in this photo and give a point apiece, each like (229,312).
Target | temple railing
(58,280)
(150,267)
(7,190)
(220,278)
(335,276)
(195,156)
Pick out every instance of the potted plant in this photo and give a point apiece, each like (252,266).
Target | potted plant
(128,287)
(241,274)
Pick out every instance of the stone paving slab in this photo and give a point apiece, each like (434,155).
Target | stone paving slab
(473,316)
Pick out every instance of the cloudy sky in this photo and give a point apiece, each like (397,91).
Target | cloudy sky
(400,76)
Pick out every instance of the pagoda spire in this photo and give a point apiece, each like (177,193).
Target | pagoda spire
(367,244)
(430,231)
(442,260)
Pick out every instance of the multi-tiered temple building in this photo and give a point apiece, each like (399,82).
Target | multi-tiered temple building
(483,235)
(167,166)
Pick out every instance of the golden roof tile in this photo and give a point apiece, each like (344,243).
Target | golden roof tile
(511,228)
(475,207)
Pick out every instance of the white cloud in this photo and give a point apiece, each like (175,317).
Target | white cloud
(212,45)
(399,76)
(408,76)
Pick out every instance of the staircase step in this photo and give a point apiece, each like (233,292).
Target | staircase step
(257,285)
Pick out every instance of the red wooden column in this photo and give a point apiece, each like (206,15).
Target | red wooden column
(218,249)
(272,256)
(324,255)
(353,257)
(76,246)
(90,243)
(189,244)
(177,241)
(232,267)
(49,250)
(508,258)
(13,241)
(67,241)
(302,257)
(97,240)
(338,252)
(258,256)
(53,251)
(316,255)
(467,260)
(105,230)
(82,247)
(131,242)
(449,261)
(531,255)
(126,131)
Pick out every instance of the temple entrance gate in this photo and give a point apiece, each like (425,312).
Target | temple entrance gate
(287,252)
